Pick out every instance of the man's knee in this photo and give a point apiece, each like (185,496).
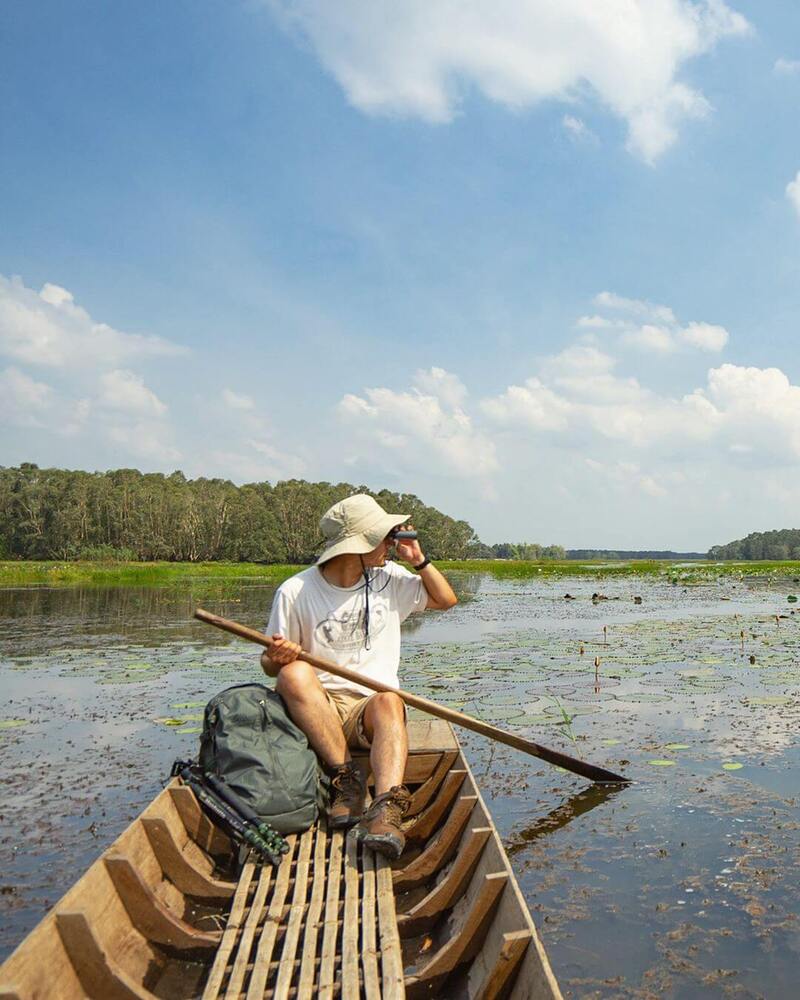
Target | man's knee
(386,707)
(296,680)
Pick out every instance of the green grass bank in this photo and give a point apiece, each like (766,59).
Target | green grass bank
(117,574)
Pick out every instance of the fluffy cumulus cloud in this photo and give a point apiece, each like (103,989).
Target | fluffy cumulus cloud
(420,58)
(125,391)
(47,328)
(650,327)
(586,402)
(24,402)
(424,423)
(759,411)
(750,414)
(793,193)
(85,390)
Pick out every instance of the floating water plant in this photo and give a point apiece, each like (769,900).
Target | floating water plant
(12,723)
(731,765)
(661,763)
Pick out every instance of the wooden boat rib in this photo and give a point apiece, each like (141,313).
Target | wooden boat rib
(167,912)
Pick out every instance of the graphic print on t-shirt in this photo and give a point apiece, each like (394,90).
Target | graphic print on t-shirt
(345,632)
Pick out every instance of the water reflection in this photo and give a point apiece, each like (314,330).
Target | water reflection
(698,677)
(577,805)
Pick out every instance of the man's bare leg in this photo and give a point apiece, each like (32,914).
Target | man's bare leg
(310,709)
(385,727)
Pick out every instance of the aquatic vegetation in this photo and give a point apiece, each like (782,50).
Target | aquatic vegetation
(681,710)
(19,573)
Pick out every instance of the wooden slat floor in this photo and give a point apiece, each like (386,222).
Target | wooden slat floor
(321,924)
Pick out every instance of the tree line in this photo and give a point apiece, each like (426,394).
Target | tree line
(126,514)
(783,544)
(516,550)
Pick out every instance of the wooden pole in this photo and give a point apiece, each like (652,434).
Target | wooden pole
(586,770)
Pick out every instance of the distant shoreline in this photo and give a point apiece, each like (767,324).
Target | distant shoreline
(21,573)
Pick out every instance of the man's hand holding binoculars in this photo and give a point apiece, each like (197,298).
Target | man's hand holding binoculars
(407,545)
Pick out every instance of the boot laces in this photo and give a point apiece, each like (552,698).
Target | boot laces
(346,781)
(394,806)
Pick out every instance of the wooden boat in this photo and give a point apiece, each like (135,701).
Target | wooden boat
(168,912)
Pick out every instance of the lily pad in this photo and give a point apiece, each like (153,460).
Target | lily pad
(731,765)
(610,743)
(643,696)
(537,720)
(677,746)
(661,763)
(170,722)
(771,699)
(12,723)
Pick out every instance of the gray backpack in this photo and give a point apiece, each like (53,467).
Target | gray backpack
(249,741)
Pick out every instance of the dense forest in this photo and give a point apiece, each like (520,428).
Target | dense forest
(783,544)
(515,550)
(126,514)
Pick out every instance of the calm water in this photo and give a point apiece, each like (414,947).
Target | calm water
(681,885)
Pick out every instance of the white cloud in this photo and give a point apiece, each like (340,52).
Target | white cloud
(705,336)
(529,405)
(123,390)
(578,359)
(787,67)
(419,58)
(443,385)
(577,129)
(415,426)
(594,323)
(144,439)
(47,328)
(651,338)
(651,327)
(760,410)
(753,414)
(635,307)
(257,462)
(793,193)
(237,401)
(24,402)
(628,475)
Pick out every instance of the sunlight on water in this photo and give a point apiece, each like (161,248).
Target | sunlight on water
(673,887)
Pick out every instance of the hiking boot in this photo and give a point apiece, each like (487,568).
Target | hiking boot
(347,797)
(381,825)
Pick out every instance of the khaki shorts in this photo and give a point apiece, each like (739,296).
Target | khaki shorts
(350,708)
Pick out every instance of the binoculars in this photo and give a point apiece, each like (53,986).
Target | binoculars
(397,534)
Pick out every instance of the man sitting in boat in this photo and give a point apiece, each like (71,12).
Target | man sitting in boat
(348,608)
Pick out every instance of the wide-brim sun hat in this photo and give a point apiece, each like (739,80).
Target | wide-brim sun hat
(356,526)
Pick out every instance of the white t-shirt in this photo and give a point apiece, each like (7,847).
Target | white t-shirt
(329,621)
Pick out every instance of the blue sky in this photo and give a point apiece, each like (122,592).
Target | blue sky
(538,265)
